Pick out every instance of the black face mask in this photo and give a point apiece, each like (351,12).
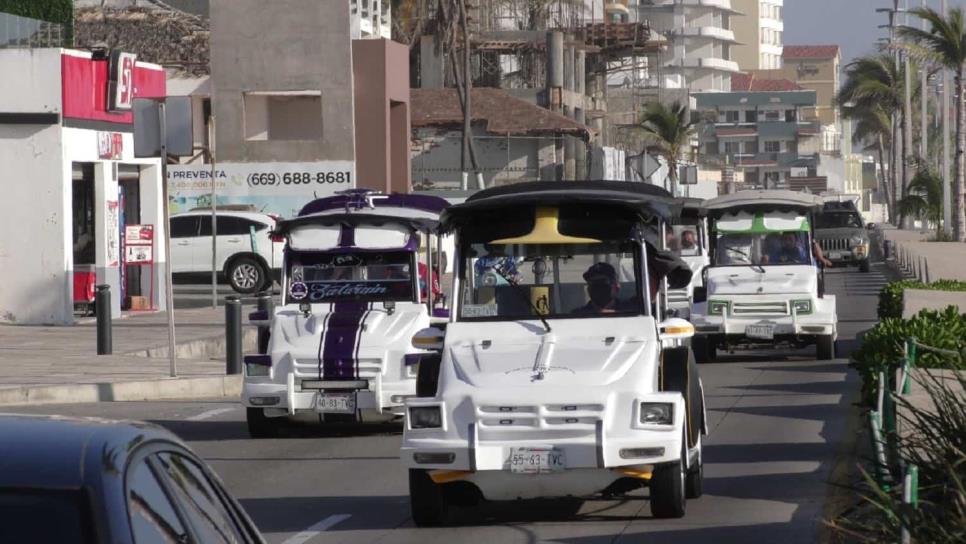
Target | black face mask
(601,293)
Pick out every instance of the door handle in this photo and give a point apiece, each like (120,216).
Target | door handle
(234,240)
(183,243)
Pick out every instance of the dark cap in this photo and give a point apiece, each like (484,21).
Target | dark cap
(600,271)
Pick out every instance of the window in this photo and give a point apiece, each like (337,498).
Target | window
(751,116)
(711,148)
(186,227)
(229,226)
(199,499)
(731,116)
(732,148)
(283,116)
(43,516)
(751,148)
(153,517)
(359,277)
(773,115)
(773,147)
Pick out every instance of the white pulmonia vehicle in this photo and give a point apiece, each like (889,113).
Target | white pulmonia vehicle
(559,380)
(763,287)
(688,240)
(355,288)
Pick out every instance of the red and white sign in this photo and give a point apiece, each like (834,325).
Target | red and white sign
(138,244)
(110,145)
(120,84)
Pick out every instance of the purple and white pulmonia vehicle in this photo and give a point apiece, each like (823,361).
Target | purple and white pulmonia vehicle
(356,286)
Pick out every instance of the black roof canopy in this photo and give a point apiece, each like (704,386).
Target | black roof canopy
(647,201)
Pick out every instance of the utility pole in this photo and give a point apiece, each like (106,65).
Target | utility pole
(907,122)
(947,179)
(924,103)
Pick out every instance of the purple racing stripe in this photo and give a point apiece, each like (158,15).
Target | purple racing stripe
(340,340)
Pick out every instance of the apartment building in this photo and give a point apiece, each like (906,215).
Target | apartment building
(762,133)
(759,30)
(701,39)
(816,67)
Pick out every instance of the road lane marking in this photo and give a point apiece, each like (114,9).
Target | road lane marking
(319,527)
(210,414)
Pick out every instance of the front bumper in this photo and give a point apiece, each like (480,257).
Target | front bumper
(816,323)
(289,397)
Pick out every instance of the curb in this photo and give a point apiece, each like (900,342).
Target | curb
(839,495)
(158,389)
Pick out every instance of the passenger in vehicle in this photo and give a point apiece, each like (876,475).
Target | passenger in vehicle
(791,251)
(689,242)
(602,288)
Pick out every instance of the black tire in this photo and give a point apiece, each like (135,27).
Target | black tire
(679,372)
(668,496)
(260,426)
(864,266)
(427,502)
(427,378)
(824,347)
(694,481)
(703,349)
(246,275)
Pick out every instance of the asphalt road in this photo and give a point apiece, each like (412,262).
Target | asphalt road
(778,423)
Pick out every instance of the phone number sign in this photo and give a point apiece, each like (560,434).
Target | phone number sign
(263,179)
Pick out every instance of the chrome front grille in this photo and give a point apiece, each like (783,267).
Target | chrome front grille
(835,244)
(308,368)
(760,308)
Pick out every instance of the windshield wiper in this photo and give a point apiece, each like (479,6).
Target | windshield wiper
(756,267)
(517,288)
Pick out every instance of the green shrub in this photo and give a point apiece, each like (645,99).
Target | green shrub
(882,346)
(890,297)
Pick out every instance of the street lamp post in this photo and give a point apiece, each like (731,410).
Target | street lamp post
(947,180)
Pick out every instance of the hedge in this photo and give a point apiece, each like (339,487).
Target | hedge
(882,346)
(54,11)
(890,297)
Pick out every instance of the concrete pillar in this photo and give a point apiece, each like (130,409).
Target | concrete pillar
(430,65)
(107,234)
(568,69)
(555,69)
(580,72)
(152,213)
(569,152)
(580,155)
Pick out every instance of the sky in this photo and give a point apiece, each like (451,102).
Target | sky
(851,24)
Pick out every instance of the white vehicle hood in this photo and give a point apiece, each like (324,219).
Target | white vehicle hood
(577,353)
(375,328)
(776,280)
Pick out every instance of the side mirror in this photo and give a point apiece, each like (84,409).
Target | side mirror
(675,328)
(430,338)
(870,226)
(700,294)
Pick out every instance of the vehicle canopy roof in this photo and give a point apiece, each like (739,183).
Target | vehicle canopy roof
(644,200)
(762,200)
(691,207)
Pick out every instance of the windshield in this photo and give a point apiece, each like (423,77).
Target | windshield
(838,221)
(558,280)
(684,240)
(772,248)
(361,277)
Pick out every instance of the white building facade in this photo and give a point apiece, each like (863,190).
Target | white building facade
(760,30)
(701,40)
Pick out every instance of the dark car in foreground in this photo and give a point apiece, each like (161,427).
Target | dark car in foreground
(82,480)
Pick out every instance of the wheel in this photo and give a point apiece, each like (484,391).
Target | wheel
(864,266)
(668,497)
(427,502)
(679,372)
(260,426)
(825,347)
(246,275)
(694,481)
(427,378)
(703,348)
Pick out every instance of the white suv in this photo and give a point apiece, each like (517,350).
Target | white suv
(248,254)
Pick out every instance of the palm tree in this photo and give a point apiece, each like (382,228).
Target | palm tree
(945,44)
(874,124)
(669,130)
(925,198)
(873,92)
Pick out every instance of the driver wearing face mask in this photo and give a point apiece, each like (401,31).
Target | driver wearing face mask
(602,288)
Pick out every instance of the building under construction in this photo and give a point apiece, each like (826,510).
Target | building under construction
(584,61)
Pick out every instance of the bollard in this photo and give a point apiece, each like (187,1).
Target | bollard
(265,304)
(102,302)
(233,335)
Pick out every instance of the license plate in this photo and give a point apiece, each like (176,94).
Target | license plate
(336,403)
(835,255)
(763,331)
(536,460)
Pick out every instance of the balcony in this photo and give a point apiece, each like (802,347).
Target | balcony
(709,63)
(710,32)
(723,5)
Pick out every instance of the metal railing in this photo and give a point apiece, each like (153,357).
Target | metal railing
(24,32)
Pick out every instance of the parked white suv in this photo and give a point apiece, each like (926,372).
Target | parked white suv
(248,255)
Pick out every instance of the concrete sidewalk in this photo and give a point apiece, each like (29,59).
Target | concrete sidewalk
(45,364)
(926,261)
